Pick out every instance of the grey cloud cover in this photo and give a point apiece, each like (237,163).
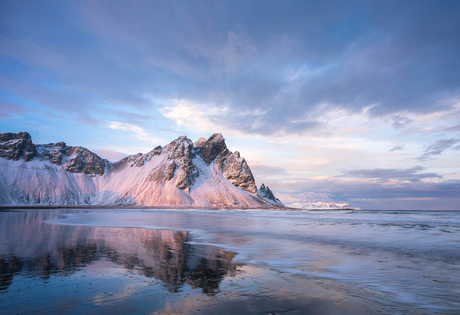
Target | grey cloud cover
(7,109)
(384,174)
(374,195)
(267,70)
(391,56)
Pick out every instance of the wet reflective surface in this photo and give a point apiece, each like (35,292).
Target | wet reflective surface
(225,261)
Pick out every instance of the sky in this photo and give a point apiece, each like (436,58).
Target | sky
(352,102)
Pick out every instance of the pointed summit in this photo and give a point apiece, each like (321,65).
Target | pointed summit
(266,194)
(211,148)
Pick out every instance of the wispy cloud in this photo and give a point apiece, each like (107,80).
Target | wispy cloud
(438,147)
(385,174)
(197,117)
(132,129)
(30,53)
(400,121)
(397,148)
(87,119)
(8,109)
(373,194)
(110,155)
(266,173)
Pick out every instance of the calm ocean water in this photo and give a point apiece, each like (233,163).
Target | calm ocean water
(407,261)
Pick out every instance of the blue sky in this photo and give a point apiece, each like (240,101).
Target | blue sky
(355,102)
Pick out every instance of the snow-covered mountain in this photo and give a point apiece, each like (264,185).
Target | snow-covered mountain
(183,173)
(324,205)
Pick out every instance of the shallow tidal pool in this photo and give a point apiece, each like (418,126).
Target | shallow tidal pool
(198,261)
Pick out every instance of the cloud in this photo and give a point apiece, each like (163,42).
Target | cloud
(271,74)
(438,147)
(303,197)
(375,195)
(132,129)
(334,82)
(87,120)
(400,121)
(197,117)
(237,49)
(387,174)
(397,148)
(110,155)
(204,117)
(261,171)
(30,53)
(8,109)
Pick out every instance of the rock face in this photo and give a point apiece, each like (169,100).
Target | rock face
(267,194)
(212,148)
(13,146)
(183,173)
(180,154)
(231,165)
(74,159)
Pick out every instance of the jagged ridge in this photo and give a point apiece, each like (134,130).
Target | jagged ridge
(182,173)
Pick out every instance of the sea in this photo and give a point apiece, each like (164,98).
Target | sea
(220,261)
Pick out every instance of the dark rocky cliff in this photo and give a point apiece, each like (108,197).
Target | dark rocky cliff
(13,146)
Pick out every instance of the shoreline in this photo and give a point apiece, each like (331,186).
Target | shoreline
(3,207)
(6,207)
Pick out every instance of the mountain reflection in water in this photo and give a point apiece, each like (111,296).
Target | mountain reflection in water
(31,247)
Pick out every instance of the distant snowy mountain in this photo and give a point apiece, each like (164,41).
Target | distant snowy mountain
(324,205)
(183,173)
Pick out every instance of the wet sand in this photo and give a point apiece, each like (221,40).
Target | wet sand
(76,261)
(106,288)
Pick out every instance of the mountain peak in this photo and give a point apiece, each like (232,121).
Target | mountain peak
(267,194)
(183,173)
(13,146)
(210,149)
